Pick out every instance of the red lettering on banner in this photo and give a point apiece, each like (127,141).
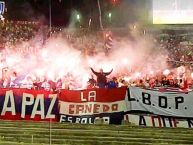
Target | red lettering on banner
(71,109)
(115,107)
(79,109)
(106,108)
(91,108)
(96,108)
(88,108)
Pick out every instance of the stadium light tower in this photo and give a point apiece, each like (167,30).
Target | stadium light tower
(100,13)
(78,17)
(110,15)
(50,15)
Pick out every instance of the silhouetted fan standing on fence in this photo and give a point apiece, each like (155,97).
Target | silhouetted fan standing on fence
(101,77)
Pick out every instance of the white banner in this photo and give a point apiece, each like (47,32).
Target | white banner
(158,121)
(167,102)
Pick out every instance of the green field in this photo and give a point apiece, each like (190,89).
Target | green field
(38,133)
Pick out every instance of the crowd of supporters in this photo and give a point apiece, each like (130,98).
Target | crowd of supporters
(180,49)
(68,82)
(17,31)
(179,74)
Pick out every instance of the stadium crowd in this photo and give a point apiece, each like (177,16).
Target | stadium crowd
(179,75)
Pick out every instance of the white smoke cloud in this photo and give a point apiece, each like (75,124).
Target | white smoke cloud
(58,58)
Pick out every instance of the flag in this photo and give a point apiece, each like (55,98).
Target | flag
(2,7)
(108,41)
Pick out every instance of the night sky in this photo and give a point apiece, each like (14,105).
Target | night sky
(123,11)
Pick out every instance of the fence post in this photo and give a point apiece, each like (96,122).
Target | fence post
(50,125)
(32,138)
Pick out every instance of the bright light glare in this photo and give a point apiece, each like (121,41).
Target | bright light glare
(110,14)
(44,53)
(138,74)
(2,18)
(192,75)
(125,61)
(78,17)
(12,60)
(90,62)
(40,72)
(85,80)
(106,67)
(166,72)
(127,78)
(151,72)
(50,75)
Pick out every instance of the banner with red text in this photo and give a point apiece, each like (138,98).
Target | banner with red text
(85,106)
(24,104)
